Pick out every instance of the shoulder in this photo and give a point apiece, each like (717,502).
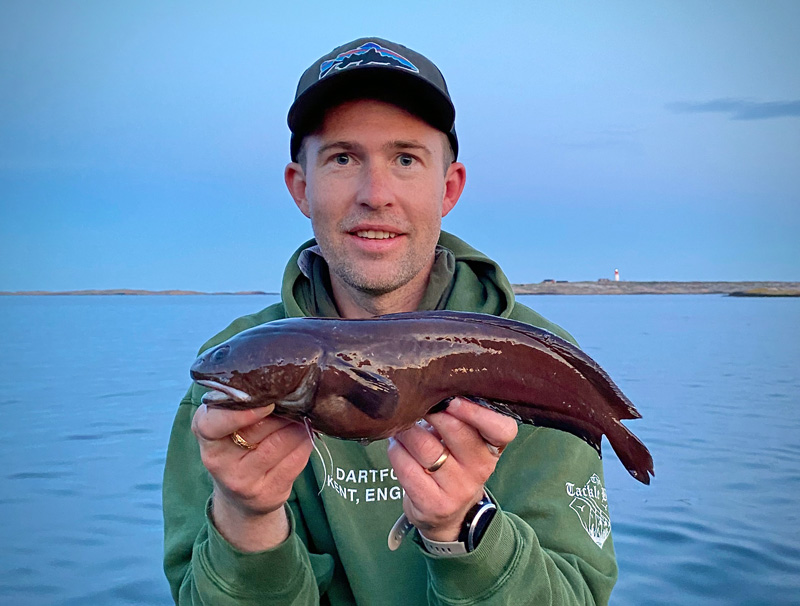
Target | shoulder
(523,313)
(269,314)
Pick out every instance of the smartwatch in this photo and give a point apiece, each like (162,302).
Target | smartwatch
(472,530)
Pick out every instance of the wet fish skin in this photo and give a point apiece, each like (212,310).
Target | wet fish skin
(368,379)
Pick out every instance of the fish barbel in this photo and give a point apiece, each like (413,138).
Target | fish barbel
(368,379)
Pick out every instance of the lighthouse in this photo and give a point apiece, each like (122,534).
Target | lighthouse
(616,275)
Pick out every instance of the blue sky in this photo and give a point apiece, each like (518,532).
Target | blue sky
(142,144)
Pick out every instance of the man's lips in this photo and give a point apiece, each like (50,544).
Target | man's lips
(374,234)
(376,241)
(367,231)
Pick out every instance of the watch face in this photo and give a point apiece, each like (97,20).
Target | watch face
(476,522)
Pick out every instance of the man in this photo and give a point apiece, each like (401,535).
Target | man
(250,518)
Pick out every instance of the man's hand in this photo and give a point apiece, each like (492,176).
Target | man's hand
(474,436)
(251,486)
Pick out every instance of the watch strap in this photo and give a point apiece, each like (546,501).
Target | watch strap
(475,523)
(444,549)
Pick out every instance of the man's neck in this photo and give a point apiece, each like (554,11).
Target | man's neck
(356,304)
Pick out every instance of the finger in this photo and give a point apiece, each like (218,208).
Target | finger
(284,452)
(260,430)
(212,423)
(433,501)
(462,440)
(262,478)
(419,486)
(423,445)
(429,428)
(286,471)
(495,428)
(468,446)
(239,468)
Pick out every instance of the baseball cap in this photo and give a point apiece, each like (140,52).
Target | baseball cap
(372,68)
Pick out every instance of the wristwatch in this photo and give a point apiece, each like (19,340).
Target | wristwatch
(475,524)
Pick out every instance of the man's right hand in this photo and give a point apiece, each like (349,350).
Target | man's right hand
(251,486)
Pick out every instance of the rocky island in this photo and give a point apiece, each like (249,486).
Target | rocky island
(546,287)
(611,287)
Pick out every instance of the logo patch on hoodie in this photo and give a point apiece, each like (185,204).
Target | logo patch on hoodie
(590,502)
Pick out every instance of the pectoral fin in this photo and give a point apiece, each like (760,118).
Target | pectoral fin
(373,394)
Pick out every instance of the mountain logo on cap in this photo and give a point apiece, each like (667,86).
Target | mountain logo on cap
(369,53)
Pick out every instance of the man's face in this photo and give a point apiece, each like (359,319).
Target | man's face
(375,188)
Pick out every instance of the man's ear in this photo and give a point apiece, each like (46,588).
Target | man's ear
(454,180)
(295,179)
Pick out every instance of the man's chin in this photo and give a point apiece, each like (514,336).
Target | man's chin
(374,284)
(374,288)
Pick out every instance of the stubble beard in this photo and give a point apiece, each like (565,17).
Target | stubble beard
(362,281)
(392,276)
(370,281)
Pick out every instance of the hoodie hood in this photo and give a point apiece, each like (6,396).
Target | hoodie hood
(464,279)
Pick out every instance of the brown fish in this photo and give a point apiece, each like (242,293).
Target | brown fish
(369,379)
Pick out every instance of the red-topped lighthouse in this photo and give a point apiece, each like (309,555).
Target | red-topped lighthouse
(616,275)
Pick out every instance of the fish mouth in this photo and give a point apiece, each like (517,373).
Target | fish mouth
(222,393)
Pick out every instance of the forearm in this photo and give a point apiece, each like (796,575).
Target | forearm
(201,565)
(541,547)
(511,567)
(221,574)
(246,532)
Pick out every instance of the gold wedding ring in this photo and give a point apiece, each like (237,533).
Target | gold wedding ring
(439,462)
(241,442)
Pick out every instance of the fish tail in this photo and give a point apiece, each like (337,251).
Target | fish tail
(632,453)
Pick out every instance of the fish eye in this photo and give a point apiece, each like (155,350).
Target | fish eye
(220,354)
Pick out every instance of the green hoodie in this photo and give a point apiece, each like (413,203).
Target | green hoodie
(550,542)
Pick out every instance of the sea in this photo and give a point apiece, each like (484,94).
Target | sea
(90,385)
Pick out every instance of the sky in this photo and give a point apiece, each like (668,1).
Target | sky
(142,144)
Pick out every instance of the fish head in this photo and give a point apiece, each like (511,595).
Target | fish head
(264,365)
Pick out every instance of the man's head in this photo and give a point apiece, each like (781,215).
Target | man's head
(371,68)
(374,170)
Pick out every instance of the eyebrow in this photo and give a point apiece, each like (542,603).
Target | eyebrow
(402,144)
(336,144)
(388,146)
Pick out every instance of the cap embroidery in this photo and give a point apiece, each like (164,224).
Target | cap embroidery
(369,53)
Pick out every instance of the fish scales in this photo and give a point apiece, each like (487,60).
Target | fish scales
(368,379)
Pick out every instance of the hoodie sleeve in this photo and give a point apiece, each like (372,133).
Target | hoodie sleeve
(200,565)
(550,542)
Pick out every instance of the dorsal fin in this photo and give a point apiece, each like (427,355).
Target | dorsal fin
(590,369)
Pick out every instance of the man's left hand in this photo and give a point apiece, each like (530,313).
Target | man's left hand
(473,437)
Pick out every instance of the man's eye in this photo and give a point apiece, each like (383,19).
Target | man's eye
(405,160)
(342,159)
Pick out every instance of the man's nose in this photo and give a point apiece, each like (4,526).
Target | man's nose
(375,188)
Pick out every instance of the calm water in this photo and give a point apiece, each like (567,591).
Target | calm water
(91,384)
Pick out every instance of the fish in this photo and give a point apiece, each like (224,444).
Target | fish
(368,379)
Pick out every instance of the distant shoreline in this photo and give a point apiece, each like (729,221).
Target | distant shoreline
(128,292)
(548,287)
(609,287)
